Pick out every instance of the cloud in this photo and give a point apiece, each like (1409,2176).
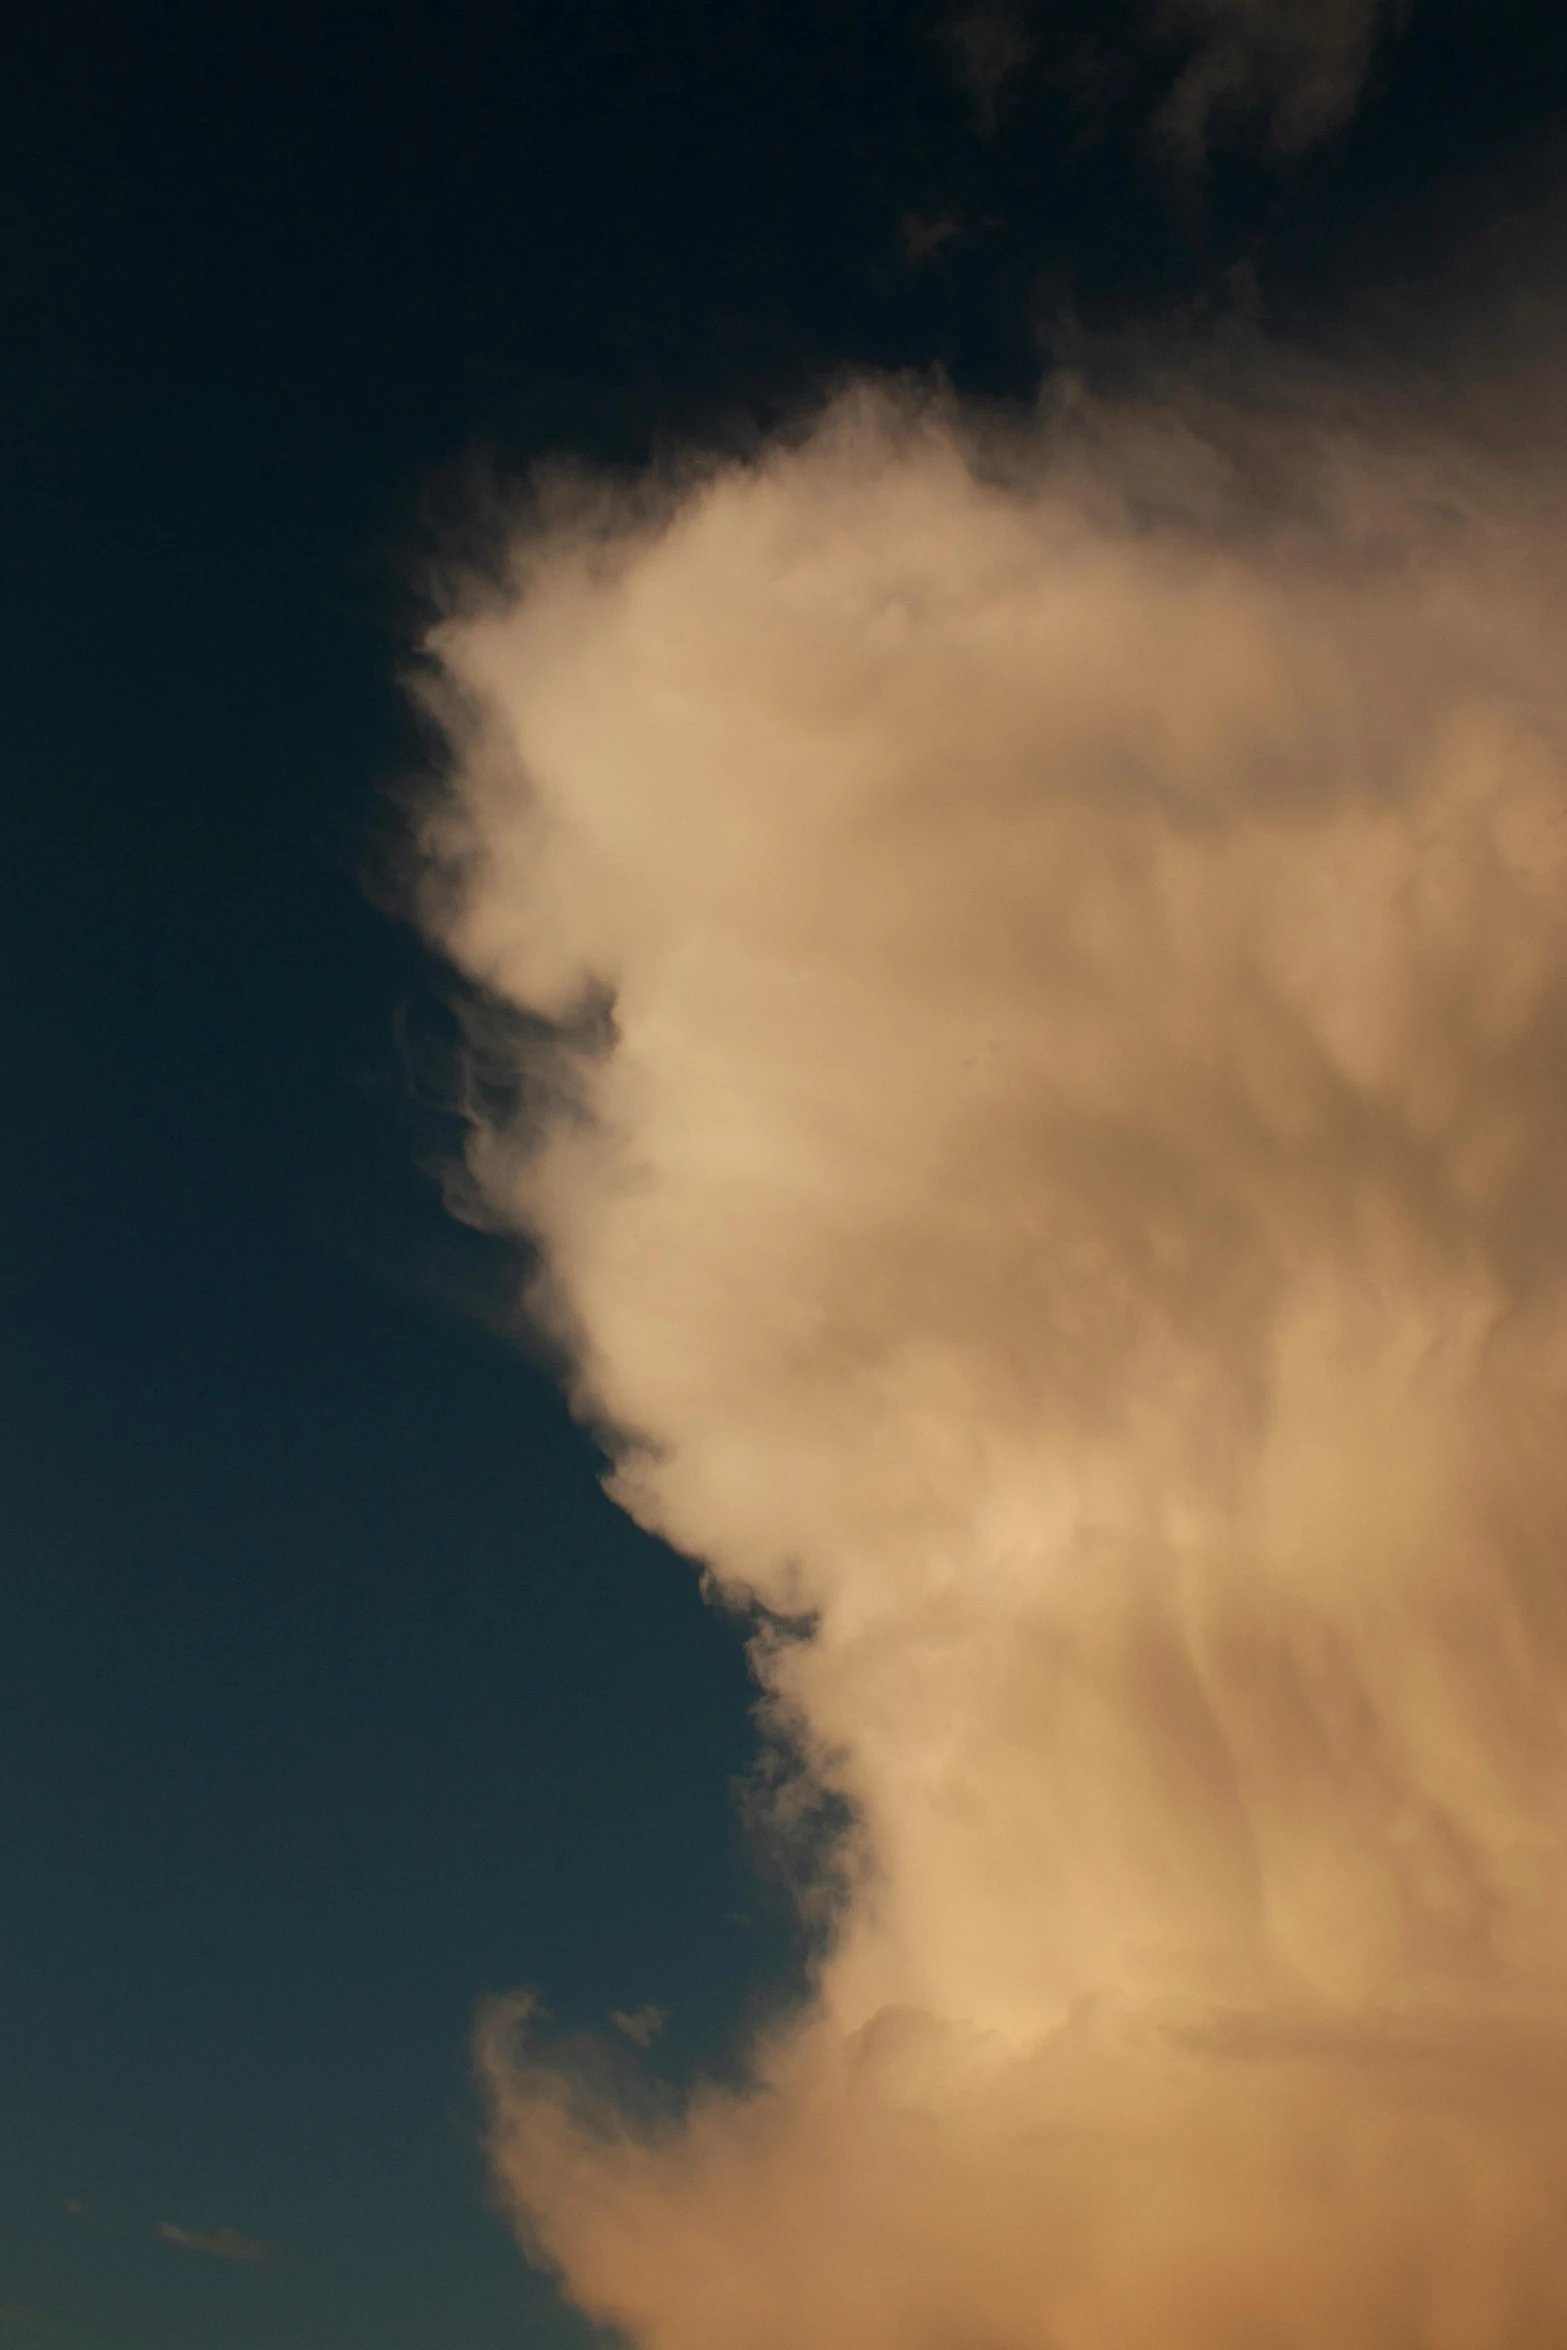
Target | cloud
(642,2025)
(924,239)
(217,2243)
(1300,64)
(987,44)
(1296,66)
(1047,963)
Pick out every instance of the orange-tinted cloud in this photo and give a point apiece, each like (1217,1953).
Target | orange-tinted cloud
(1071,1196)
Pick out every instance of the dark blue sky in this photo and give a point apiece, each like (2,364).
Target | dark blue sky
(332,1693)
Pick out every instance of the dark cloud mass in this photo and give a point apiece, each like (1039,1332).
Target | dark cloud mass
(1298,66)
(1300,63)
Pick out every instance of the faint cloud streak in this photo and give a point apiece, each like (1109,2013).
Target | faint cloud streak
(217,2243)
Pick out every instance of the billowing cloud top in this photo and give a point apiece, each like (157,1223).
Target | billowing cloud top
(1049,1146)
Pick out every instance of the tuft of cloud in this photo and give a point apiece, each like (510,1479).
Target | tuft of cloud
(1299,64)
(642,2026)
(1044,963)
(217,2243)
(924,239)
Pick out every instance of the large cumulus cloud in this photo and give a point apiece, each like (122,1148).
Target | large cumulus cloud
(1048,1140)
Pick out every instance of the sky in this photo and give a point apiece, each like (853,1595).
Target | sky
(340,1698)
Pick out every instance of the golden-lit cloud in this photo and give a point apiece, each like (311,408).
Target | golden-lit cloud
(1047,1133)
